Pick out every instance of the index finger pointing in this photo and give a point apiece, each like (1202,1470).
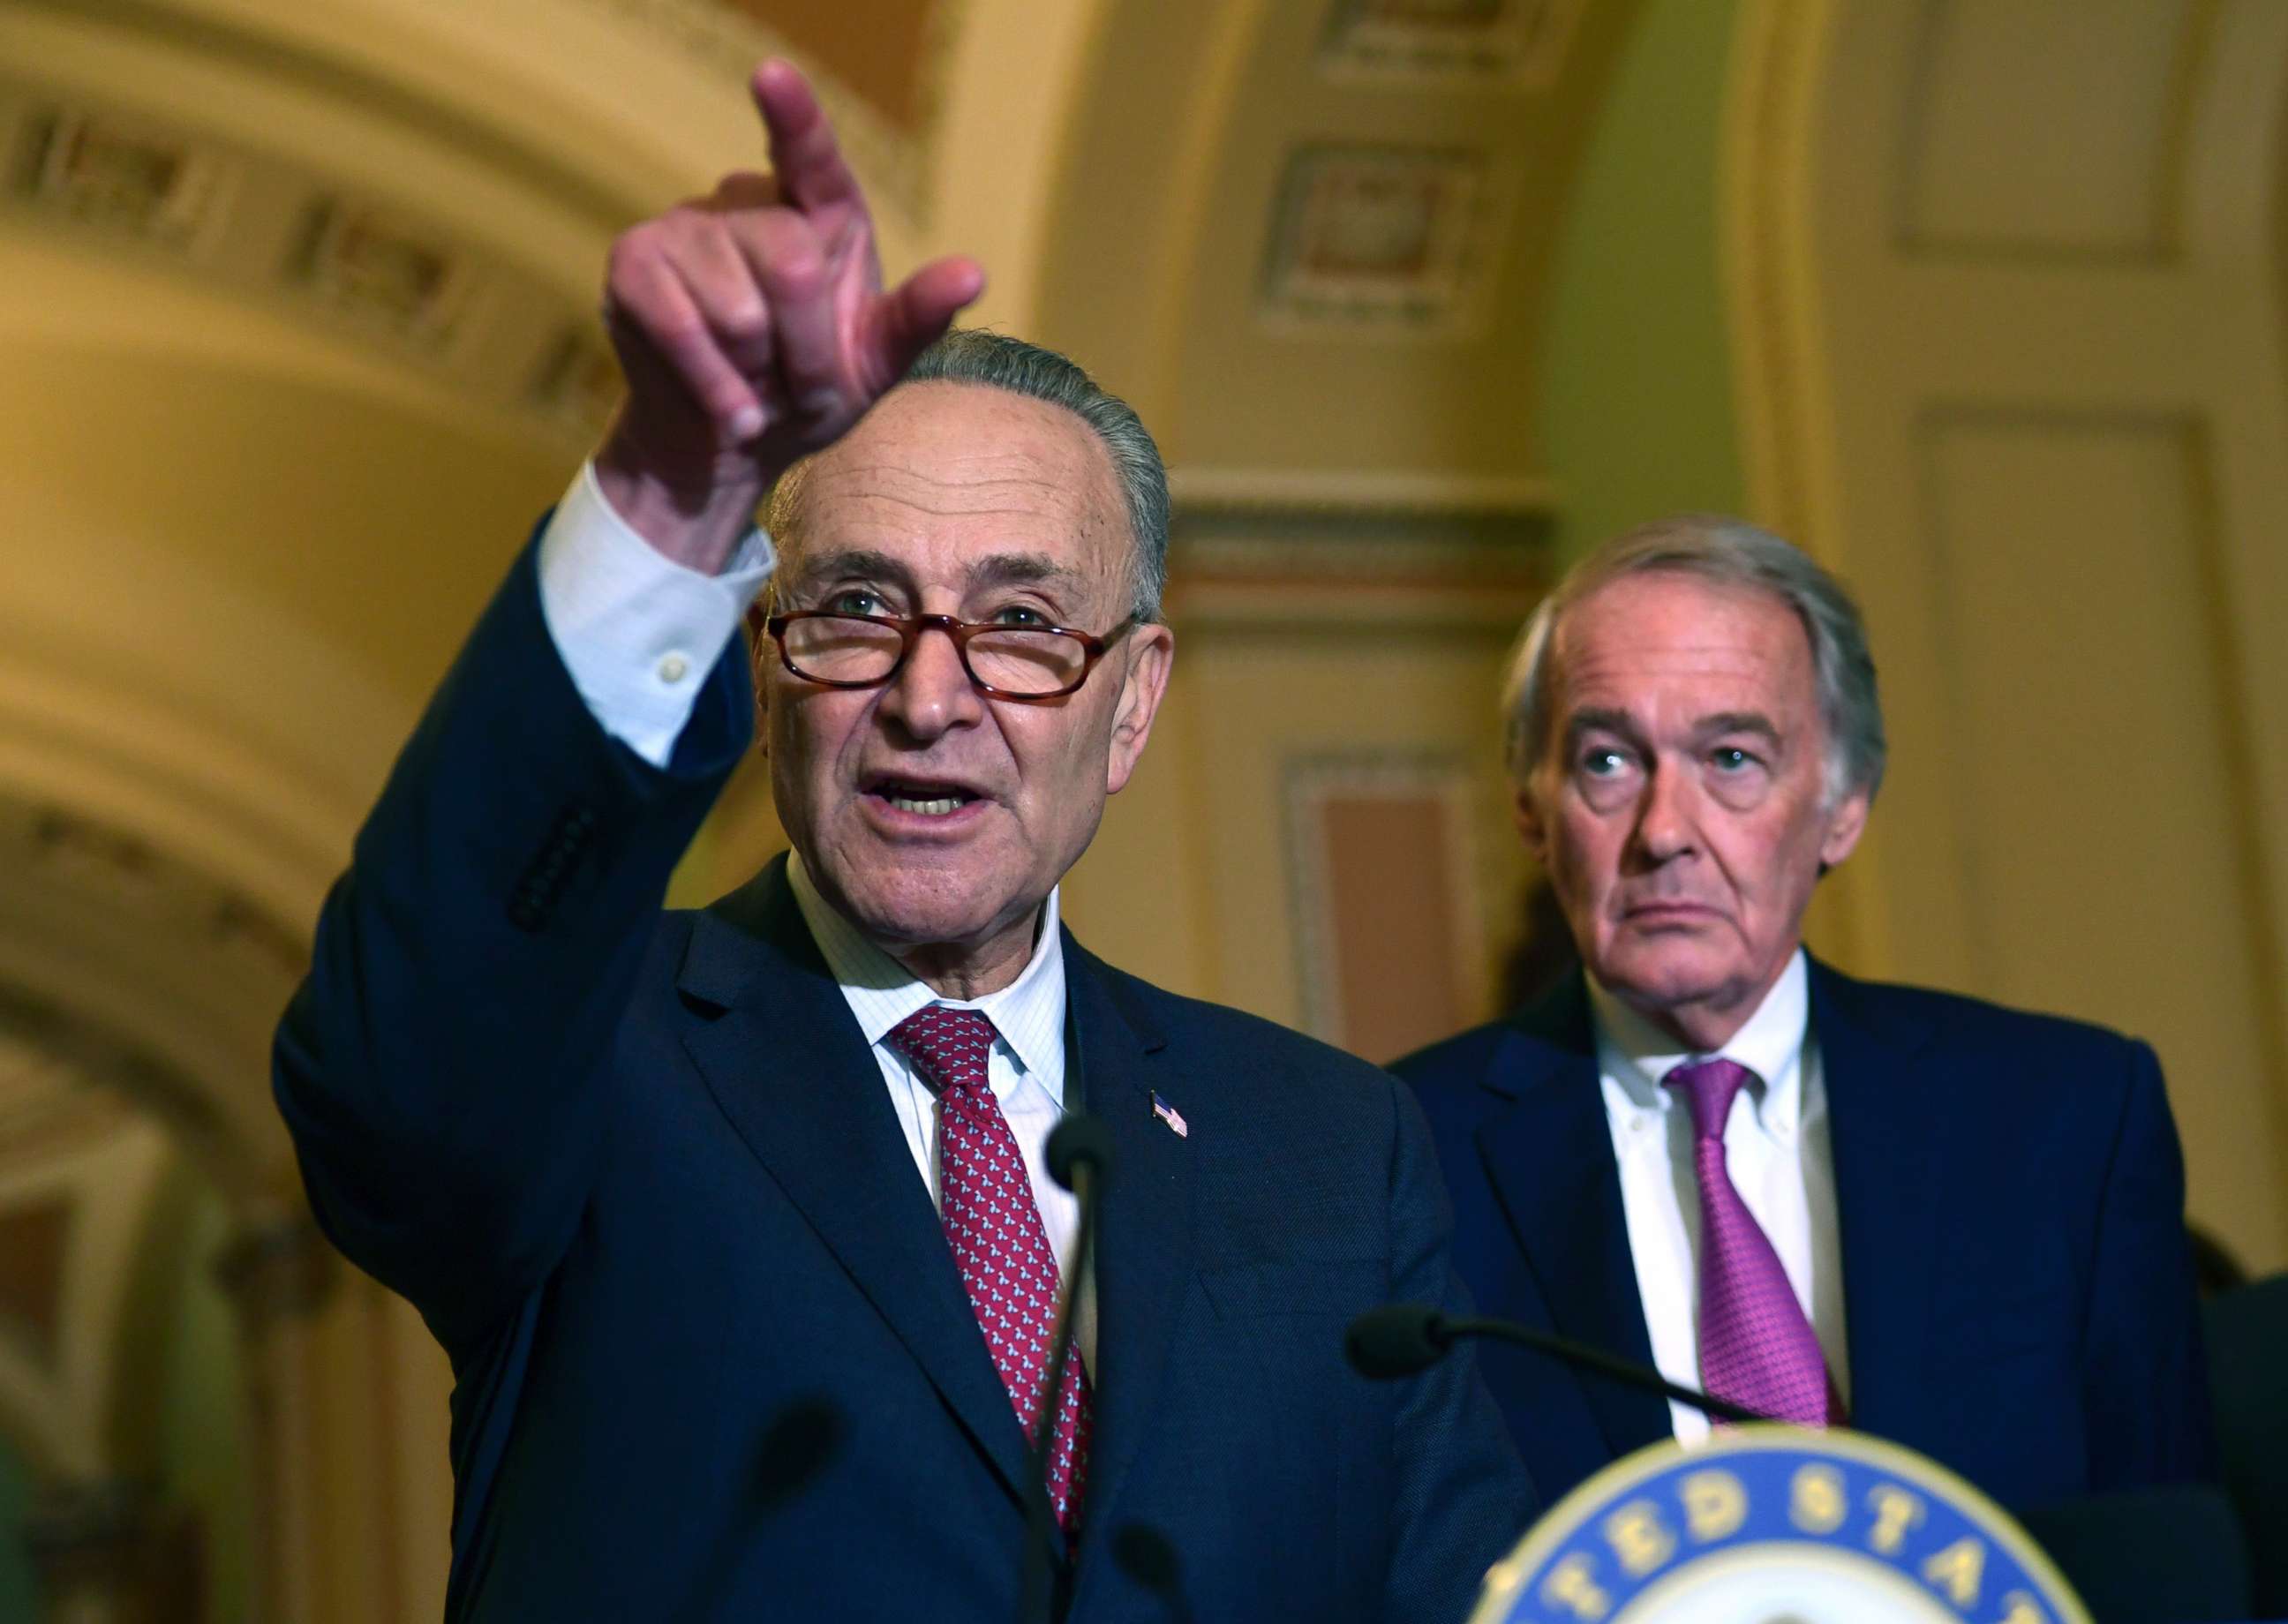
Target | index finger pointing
(805,156)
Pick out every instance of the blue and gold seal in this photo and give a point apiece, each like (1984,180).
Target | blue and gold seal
(1776,1525)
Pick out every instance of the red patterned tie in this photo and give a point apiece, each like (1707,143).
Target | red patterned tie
(985,1203)
(1757,1347)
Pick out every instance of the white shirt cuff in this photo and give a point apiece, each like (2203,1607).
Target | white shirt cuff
(638,632)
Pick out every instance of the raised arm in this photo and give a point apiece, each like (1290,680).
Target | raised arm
(446,1067)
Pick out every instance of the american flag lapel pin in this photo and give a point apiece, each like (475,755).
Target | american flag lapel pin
(1173,1117)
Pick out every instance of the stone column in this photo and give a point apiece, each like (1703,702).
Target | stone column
(278,1276)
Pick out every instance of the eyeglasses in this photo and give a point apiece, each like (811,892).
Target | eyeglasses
(865,650)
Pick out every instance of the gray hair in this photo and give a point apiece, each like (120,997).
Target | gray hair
(1728,552)
(995,361)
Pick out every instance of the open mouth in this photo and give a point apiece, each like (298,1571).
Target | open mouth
(923,799)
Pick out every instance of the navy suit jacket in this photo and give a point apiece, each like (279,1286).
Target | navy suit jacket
(712,1357)
(2018,1302)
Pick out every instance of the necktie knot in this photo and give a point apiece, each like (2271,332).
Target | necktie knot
(948,1047)
(1708,1088)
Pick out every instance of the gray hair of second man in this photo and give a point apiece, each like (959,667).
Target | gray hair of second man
(1732,553)
(995,361)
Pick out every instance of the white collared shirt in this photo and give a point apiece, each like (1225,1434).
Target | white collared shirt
(639,632)
(1775,1146)
(1025,1068)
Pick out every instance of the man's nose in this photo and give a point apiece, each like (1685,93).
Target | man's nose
(1667,826)
(932,691)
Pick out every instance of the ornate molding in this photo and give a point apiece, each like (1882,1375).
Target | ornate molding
(1209,490)
(119,872)
(124,173)
(1396,240)
(269,228)
(1301,549)
(1517,42)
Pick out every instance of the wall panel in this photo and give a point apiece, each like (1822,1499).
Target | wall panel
(2097,762)
(2095,175)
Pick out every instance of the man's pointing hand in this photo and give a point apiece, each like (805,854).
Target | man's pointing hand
(754,329)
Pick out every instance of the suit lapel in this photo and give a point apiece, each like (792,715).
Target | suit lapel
(1548,1150)
(788,1067)
(1886,1142)
(1144,1246)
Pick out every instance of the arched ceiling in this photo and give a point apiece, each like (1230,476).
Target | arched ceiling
(1311,238)
(297,335)
(1308,236)
(296,303)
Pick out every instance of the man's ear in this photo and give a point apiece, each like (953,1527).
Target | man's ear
(1525,812)
(1151,657)
(1845,825)
(760,654)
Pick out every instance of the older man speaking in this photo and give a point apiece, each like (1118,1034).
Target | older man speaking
(1952,1224)
(736,1225)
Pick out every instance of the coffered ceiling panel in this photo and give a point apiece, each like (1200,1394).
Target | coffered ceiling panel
(1523,39)
(1368,234)
(1312,238)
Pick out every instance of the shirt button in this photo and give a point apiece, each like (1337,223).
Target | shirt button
(674,669)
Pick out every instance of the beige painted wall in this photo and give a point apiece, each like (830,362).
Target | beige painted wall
(2007,295)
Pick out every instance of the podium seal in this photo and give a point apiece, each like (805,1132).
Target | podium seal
(1771,1524)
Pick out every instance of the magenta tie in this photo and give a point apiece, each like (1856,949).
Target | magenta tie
(1757,1348)
(985,1201)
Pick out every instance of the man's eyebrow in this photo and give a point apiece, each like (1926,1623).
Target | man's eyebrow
(1598,719)
(995,569)
(844,562)
(1023,569)
(1738,722)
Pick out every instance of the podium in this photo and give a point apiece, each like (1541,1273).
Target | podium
(1773,1525)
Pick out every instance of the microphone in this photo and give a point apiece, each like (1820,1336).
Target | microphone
(1078,1154)
(800,1442)
(1079,1146)
(1404,1339)
(1144,1555)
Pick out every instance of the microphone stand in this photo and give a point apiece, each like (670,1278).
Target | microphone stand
(1077,1153)
(1404,1339)
(1604,1364)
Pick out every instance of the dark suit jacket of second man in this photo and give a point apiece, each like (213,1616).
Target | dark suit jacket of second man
(2010,1198)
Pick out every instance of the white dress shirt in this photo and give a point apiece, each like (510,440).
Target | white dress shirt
(1025,1068)
(638,633)
(1775,1146)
